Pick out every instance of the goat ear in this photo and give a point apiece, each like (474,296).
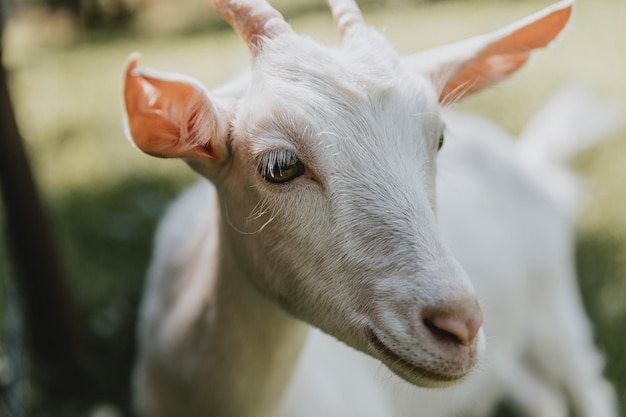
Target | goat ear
(462,68)
(172,116)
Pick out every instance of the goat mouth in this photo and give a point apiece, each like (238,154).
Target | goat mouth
(407,370)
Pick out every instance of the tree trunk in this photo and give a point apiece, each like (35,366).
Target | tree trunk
(49,326)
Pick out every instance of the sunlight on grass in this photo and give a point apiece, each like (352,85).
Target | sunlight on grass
(106,196)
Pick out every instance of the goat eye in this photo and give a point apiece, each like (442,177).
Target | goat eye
(441,140)
(280,166)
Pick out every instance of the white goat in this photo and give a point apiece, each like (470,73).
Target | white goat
(321,212)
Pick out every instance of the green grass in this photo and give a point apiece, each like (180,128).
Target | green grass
(105,197)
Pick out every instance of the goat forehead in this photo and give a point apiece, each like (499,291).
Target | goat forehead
(389,134)
(324,93)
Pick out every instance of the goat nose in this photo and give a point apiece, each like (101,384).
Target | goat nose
(459,324)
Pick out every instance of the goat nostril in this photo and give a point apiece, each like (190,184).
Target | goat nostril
(458,329)
(442,333)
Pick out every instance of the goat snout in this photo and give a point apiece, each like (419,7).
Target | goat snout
(454,322)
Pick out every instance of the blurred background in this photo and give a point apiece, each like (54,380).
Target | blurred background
(64,59)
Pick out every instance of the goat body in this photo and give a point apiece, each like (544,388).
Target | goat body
(321,212)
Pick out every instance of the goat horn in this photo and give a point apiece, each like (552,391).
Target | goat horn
(346,14)
(252,19)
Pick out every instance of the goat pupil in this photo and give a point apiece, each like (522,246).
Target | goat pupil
(283,171)
(441,140)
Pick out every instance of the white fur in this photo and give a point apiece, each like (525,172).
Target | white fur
(243,267)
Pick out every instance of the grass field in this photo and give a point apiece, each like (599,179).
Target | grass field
(105,197)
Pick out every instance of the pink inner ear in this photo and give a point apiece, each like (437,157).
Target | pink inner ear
(480,73)
(163,115)
(505,55)
(537,34)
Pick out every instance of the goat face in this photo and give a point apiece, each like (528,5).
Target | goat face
(337,154)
